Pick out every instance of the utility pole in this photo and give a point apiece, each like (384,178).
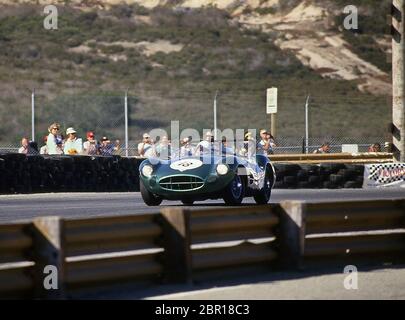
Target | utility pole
(215,116)
(398,84)
(306,124)
(126,123)
(33,115)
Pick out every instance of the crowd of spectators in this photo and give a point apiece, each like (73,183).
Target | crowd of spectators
(57,144)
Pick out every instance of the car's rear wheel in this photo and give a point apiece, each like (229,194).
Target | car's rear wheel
(148,197)
(263,196)
(188,202)
(234,191)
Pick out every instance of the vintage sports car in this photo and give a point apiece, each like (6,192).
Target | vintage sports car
(212,176)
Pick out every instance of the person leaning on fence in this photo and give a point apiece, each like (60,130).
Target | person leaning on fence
(73,145)
(24,146)
(324,148)
(51,142)
(146,148)
(91,146)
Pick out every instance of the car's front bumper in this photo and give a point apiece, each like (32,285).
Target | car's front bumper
(211,185)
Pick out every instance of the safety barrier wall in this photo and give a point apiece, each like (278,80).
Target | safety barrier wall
(32,174)
(177,245)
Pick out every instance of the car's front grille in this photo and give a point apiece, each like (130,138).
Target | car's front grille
(181,183)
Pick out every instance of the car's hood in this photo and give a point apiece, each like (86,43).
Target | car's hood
(198,166)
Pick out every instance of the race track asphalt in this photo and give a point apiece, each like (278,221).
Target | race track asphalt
(78,205)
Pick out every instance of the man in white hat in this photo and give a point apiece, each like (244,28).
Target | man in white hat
(73,145)
(146,148)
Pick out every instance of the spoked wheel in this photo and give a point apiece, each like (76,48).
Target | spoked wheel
(148,197)
(263,196)
(188,202)
(234,191)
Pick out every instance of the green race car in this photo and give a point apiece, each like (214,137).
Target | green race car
(212,176)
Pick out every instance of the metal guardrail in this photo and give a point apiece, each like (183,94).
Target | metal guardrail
(182,245)
(333,158)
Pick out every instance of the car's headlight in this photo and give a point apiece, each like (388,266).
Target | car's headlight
(222,169)
(147,170)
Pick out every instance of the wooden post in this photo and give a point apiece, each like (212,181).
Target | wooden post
(177,244)
(273,121)
(291,235)
(48,235)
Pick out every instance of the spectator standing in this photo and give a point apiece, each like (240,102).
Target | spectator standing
(106,147)
(146,148)
(266,144)
(91,146)
(163,148)
(324,148)
(73,145)
(24,146)
(44,148)
(206,144)
(51,141)
(186,149)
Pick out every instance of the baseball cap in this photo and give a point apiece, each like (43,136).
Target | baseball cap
(70,130)
(145,135)
(208,134)
(263,131)
(90,134)
(104,139)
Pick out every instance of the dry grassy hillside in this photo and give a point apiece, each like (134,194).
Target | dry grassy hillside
(174,55)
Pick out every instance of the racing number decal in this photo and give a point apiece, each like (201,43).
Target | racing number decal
(186,164)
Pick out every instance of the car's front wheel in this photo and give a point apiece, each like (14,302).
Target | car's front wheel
(263,196)
(234,191)
(148,197)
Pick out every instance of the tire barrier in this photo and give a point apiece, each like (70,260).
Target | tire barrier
(33,174)
(319,176)
(177,245)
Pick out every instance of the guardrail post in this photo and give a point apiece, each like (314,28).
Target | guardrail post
(291,235)
(49,257)
(177,244)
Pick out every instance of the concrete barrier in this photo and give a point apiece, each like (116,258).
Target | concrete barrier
(181,246)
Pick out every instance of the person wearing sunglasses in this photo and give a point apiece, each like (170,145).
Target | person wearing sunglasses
(51,141)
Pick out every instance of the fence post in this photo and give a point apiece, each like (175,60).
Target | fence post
(177,244)
(49,250)
(291,235)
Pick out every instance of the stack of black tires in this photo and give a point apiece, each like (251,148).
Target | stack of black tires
(323,176)
(26,174)
(29,174)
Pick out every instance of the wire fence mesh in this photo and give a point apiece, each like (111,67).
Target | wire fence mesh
(338,120)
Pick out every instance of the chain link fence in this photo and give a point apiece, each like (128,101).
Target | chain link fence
(338,119)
